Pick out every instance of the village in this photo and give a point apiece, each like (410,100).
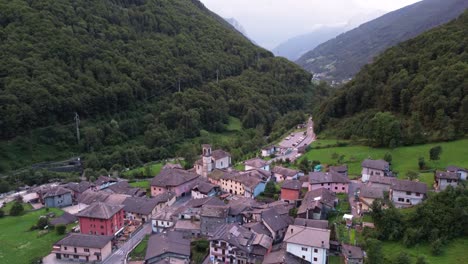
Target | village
(264,213)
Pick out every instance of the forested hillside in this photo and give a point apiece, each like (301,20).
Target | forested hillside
(414,92)
(342,57)
(139,71)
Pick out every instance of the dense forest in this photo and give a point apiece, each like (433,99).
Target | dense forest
(342,57)
(414,92)
(141,74)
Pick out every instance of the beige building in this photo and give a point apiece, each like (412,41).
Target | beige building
(83,247)
(211,160)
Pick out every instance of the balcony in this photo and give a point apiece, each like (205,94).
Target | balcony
(71,253)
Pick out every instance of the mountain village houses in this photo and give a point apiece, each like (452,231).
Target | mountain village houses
(227,207)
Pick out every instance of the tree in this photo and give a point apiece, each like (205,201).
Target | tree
(421,260)
(42,222)
(421,163)
(374,251)
(60,229)
(304,165)
(434,153)
(4,186)
(16,209)
(412,175)
(388,157)
(402,258)
(2,213)
(270,189)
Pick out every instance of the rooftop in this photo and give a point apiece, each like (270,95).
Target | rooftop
(326,177)
(240,237)
(84,240)
(56,192)
(171,242)
(100,210)
(256,163)
(173,177)
(352,252)
(285,171)
(375,164)
(371,192)
(446,175)
(308,236)
(381,179)
(140,205)
(322,224)
(292,185)
(409,186)
(219,154)
(315,198)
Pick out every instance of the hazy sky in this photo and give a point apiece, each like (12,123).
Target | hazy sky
(270,22)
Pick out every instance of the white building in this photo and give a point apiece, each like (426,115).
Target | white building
(216,159)
(444,179)
(405,193)
(374,167)
(256,163)
(462,173)
(308,243)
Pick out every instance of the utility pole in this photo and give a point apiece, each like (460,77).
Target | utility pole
(77,123)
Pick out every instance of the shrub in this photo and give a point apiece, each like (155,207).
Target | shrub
(436,247)
(2,213)
(16,209)
(60,229)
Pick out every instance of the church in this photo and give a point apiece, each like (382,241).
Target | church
(216,159)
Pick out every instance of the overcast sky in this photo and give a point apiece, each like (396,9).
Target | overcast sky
(270,22)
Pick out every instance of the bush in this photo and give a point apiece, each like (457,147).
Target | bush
(60,229)
(16,209)
(436,247)
(2,213)
(42,222)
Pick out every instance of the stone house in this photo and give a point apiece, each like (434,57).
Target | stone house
(374,167)
(316,204)
(404,193)
(352,254)
(58,197)
(280,174)
(444,179)
(332,181)
(256,163)
(177,181)
(170,246)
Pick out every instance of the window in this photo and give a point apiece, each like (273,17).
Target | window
(408,193)
(303,256)
(449,181)
(407,200)
(303,248)
(315,250)
(342,188)
(66,255)
(86,250)
(75,256)
(418,194)
(315,259)
(322,184)
(336,188)
(401,199)
(329,184)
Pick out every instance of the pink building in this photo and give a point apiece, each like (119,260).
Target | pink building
(174,180)
(332,181)
(102,219)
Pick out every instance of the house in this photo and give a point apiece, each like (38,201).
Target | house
(256,163)
(291,190)
(169,247)
(322,224)
(103,182)
(142,208)
(332,181)
(163,220)
(122,187)
(189,229)
(276,223)
(443,179)
(79,188)
(367,195)
(308,243)
(383,182)
(352,254)
(102,219)
(374,167)
(281,256)
(342,169)
(248,184)
(83,248)
(211,217)
(316,204)
(211,160)
(64,219)
(232,243)
(405,193)
(280,173)
(205,189)
(217,174)
(462,173)
(58,197)
(173,180)
(268,151)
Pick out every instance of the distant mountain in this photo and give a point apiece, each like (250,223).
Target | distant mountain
(295,47)
(342,57)
(414,92)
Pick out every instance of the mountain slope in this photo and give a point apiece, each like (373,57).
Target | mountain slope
(413,92)
(341,58)
(135,71)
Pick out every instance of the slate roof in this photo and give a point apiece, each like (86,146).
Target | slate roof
(352,252)
(140,205)
(123,187)
(308,236)
(173,177)
(283,257)
(256,163)
(258,228)
(371,192)
(339,169)
(204,187)
(216,211)
(219,154)
(240,237)
(259,173)
(217,174)
(182,225)
(171,242)
(194,203)
(322,224)
(327,177)
(90,196)
(409,186)
(84,240)
(103,179)
(375,164)
(455,169)
(100,210)
(276,221)
(56,191)
(316,198)
(446,175)
(381,179)
(292,185)
(79,187)
(285,171)
(64,219)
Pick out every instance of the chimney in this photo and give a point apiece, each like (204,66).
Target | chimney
(292,231)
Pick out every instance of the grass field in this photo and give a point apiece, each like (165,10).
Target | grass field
(8,206)
(404,158)
(140,251)
(334,260)
(140,184)
(18,244)
(149,170)
(454,252)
